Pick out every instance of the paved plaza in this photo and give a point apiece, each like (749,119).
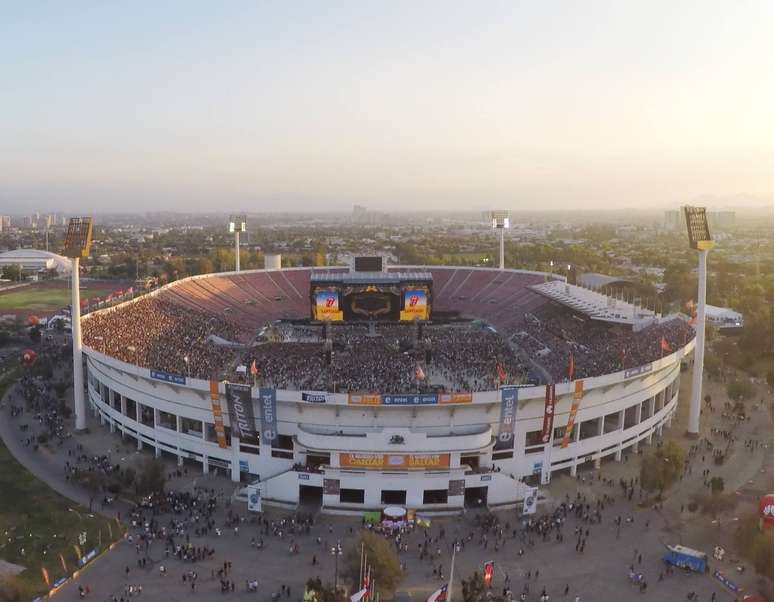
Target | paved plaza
(596,571)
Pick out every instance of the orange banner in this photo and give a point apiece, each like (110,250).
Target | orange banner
(576,399)
(455,398)
(394,461)
(364,399)
(217,414)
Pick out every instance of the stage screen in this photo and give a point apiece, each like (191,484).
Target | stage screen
(326,305)
(371,303)
(414,304)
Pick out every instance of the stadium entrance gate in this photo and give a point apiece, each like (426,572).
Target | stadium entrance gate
(310,496)
(476,497)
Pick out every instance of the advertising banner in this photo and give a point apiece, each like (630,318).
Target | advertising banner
(576,399)
(644,369)
(509,396)
(253,498)
(530,501)
(217,414)
(268,402)
(240,409)
(326,305)
(394,461)
(168,377)
(414,305)
(410,400)
(364,399)
(314,396)
(455,398)
(548,414)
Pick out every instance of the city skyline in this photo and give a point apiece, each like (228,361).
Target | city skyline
(405,106)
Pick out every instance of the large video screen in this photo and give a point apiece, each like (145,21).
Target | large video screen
(415,304)
(326,305)
(369,302)
(368,264)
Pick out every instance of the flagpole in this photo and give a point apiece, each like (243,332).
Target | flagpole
(451,574)
(362,551)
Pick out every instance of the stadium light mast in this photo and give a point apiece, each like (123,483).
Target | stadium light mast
(500,221)
(700,239)
(237,224)
(77,244)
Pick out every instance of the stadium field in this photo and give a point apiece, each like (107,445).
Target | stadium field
(45,298)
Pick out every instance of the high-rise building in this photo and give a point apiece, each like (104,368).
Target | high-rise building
(5,223)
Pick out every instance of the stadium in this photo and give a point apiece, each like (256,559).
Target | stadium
(431,387)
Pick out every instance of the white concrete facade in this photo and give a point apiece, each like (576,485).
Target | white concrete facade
(617,412)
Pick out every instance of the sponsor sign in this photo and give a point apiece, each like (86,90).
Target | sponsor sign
(253,498)
(456,487)
(644,369)
(326,305)
(414,305)
(244,466)
(455,398)
(530,501)
(240,409)
(576,399)
(393,461)
(302,476)
(268,402)
(537,467)
(90,555)
(548,414)
(486,477)
(168,377)
(726,581)
(410,400)
(364,399)
(331,486)
(217,415)
(58,582)
(509,396)
(314,396)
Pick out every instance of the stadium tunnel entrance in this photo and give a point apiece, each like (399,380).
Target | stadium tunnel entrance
(476,497)
(310,497)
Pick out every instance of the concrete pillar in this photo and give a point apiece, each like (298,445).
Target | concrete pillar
(205,465)
(235,459)
(123,415)
(637,420)
(575,439)
(179,428)
(619,451)
(600,432)
(138,418)
(694,410)
(75,315)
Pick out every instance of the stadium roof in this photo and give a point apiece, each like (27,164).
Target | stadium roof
(369,277)
(597,281)
(33,260)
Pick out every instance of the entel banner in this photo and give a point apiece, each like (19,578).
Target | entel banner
(217,414)
(410,400)
(168,377)
(394,461)
(268,400)
(403,399)
(509,396)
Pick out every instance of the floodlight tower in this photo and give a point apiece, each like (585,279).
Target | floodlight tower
(501,222)
(77,244)
(700,239)
(237,224)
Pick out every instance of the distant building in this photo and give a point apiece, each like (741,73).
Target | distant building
(5,223)
(33,261)
(725,319)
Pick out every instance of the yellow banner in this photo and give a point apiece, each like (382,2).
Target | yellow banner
(393,461)
(576,399)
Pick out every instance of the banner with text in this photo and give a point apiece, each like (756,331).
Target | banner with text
(509,397)
(253,498)
(241,412)
(455,397)
(268,402)
(217,414)
(548,414)
(394,461)
(364,399)
(576,399)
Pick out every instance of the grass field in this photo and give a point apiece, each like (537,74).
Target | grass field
(39,525)
(45,299)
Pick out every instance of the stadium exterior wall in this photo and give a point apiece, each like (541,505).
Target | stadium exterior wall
(618,411)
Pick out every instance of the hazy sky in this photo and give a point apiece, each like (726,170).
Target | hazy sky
(322,104)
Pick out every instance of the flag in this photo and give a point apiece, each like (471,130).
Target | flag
(419,373)
(664,344)
(501,373)
(253,368)
(45,576)
(571,367)
(357,596)
(488,572)
(439,595)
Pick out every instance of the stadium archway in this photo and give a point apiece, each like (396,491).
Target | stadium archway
(476,497)
(310,497)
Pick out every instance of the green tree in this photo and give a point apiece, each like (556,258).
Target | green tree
(12,272)
(151,478)
(93,482)
(662,467)
(385,566)
(474,590)
(325,592)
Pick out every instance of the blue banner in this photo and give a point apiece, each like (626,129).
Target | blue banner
(420,399)
(509,397)
(638,370)
(168,377)
(267,399)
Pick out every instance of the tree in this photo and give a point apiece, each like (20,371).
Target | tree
(474,590)
(325,592)
(151,478)
(662,467)
(385,566)
(12,272)
(739,389)
(92,482)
